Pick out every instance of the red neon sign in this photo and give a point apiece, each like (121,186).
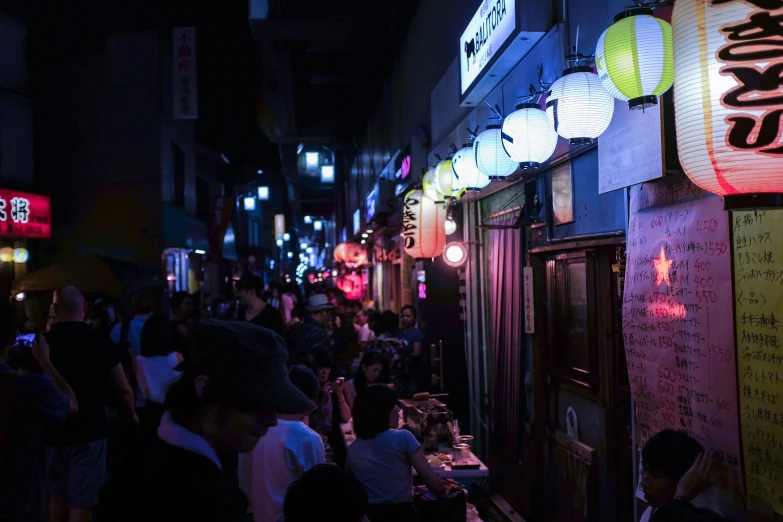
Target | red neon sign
(25,215)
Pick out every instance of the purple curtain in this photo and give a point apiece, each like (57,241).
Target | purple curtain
(505,290)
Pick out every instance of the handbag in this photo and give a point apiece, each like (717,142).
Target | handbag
(453,508)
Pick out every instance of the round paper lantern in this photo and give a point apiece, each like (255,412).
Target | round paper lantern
(728,103)
(6,254)
(527,136)
(423,226)
(444,181)
(429,187)
(491,158)
(21,255)
(465,170)
(634,58)
(578,107)
(354,255)
(339,252)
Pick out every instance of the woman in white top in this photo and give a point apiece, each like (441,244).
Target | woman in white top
(382,457)
(154,368)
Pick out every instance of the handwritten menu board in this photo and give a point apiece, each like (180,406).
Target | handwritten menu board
(758,282)
(677,318)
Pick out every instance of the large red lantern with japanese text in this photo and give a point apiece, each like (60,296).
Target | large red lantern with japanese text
(423,226)
(728,66)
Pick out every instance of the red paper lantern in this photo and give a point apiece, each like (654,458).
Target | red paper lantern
(424,226)
(354,255)
(339,252)
(728,107)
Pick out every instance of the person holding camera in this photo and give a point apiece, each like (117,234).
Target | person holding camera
(32,393)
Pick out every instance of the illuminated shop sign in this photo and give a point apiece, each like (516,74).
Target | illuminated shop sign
(25,215)
(492,25)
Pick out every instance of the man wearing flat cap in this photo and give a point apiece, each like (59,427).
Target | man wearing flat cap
(228,396)
(309,342)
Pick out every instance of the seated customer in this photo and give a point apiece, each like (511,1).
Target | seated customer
(674,465)
(325,494)
(371,370)
(381,457)
(286,452)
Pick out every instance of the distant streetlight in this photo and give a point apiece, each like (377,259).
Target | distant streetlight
(303,246)
(327,174)
(279,242)
(308,220)
(318,225)
(263,193)
(290,255)
(311,159)
(286,237)
(250,203)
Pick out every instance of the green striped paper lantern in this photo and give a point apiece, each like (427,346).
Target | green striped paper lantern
(634,58)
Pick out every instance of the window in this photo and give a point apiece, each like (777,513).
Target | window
(572,317)
(178,171)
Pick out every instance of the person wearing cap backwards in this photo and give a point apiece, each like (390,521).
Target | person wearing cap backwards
(228,396)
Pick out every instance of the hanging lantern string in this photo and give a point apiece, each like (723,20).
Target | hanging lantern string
(578,59)
(472,133)
(453,148)
(653,3)
(495,110)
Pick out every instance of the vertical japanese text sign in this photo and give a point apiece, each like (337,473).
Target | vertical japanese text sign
(185,96)
(529,304)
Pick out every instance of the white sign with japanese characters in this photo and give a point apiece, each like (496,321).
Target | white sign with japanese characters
(185,100)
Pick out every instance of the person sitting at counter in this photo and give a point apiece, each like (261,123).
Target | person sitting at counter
(676,467)
(372,368)
(382,456)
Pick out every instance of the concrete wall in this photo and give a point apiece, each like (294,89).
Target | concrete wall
(107,139)
(16,111)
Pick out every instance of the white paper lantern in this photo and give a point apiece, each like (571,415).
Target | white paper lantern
(578,107)
(728,101)
(466,171)
(429,187)
(634,58)
(423,226)
(527,136)
(444,180)
(491,158)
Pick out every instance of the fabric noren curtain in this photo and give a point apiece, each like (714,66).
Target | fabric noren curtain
(505,315)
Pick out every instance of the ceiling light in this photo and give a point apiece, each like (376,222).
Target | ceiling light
(308,220)
(263,193)
(250,203)
(369,231)
(290,255)
(318,225)
(303,246)
(309,250)
(327,174)
(365,235)
(259,171)
(279,242)
(311,159)
(286,237)
(201,252)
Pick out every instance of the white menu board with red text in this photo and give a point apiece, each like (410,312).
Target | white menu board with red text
(678,325)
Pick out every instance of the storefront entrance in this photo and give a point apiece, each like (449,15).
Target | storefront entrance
(581,361)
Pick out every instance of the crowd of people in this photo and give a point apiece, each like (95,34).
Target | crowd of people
(180,416)
(184,417)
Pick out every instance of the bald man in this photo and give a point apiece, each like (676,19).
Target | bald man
(76,454)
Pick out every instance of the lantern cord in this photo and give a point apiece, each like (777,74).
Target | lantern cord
(438,156)
(495,110)
(453,148)
(653,3)
(473,133)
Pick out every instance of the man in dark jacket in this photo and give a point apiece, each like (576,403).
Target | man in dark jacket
(227,398)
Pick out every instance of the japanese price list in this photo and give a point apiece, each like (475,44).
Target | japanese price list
(758,304)
(677,324)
